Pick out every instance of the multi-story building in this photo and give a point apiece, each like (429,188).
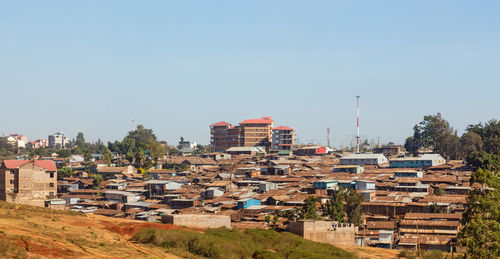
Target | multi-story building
(256,132)
(58,140)
(39,143)
(283,138)
(28,181)
(17,140)
(224,136)
(249,133)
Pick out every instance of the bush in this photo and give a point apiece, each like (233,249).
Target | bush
(265,254)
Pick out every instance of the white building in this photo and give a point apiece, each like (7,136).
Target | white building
(365,185)
(17,140)
(187,144)
(364,159)
(59,140)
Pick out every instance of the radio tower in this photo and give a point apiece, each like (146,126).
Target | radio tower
(357,136)
(328,136)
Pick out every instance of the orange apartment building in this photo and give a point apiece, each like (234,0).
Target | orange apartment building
(249,133)
(28,181)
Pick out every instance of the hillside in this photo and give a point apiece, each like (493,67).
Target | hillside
(34,232)
(234,244)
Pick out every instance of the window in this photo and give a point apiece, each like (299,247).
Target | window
(51,175)
(11,181)
(11,172)
(51,184)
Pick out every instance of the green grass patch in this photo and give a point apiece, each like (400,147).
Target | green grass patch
(233,243)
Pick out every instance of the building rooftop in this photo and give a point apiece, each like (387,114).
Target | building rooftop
(362,156)
(220,123)
(282,128)
(46,164)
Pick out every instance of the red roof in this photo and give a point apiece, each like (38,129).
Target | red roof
(282,128)
(257,121)
(46,164)
(220,123)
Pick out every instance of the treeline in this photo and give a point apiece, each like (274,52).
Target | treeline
(481,220)
(478,141)
(140,146)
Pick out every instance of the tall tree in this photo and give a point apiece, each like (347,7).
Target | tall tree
(436,133)
(106,155)
(471,141)
(484,160)
(157,151)
(309,209)
(490,135)
(140,157)
(334,208)
(353,207)
(481,220)
(80,140)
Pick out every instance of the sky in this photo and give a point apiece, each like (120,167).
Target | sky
(178,66)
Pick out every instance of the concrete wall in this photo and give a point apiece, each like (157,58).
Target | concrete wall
(197,221)
(325,232)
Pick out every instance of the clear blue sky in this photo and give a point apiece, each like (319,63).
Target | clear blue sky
(178,66)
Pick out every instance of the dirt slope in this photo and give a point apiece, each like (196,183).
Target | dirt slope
(36,232)
(372,252)
(33,232)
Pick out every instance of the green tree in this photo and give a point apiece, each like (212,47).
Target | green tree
(354,207)
(483,159)
(267,219)
(310,209)
(172,151)
(65,172)
(436,133)
(80,143)
(63,153)
(157,150)
(291,214)
(481,220)
(141,137)
(140,157)
(184,168)
(490,135)
(435,209)
(471,142)
(106,155)
(97,180)
(87,158)
(334,208)
(439,191)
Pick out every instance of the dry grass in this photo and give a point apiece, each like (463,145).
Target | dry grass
(34,232)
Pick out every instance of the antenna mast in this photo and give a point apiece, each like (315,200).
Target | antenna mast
(328,136)
(357,136)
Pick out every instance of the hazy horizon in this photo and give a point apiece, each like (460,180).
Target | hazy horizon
(177,67)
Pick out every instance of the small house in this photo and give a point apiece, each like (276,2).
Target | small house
(245,203)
